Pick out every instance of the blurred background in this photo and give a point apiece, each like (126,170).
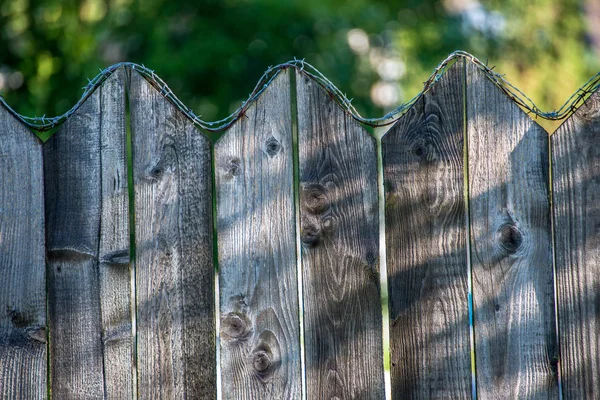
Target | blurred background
(212,52)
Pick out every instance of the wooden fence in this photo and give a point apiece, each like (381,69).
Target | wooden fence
(107,294)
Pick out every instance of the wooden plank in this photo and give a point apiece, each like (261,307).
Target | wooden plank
(23,357)
(114,255)
(340,249)
(176,351)
(511,255)
(576,199)
(88,247)
(426,246)
(258,280)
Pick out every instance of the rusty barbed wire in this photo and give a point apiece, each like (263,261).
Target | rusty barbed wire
(44,123)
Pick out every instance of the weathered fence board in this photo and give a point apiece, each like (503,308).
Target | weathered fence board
(260,335)
(81,249)
(511,254)
(23,358)
(576,199)
(340,249)
(426,246)
(174,250)
(467,195)
(114,252)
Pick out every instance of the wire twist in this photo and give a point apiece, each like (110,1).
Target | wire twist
(44,123)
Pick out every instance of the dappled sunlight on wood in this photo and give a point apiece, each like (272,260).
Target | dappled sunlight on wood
(480,277)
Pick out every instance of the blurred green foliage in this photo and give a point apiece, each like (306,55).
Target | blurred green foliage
(211,53)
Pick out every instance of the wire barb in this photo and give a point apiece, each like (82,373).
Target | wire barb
(43,123)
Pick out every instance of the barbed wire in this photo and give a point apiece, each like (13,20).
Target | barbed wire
(44,123)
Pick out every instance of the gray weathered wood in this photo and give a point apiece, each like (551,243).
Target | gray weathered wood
(340,250)
(114,270)
(576,206)
(23,357)
(174,251)
(511,254)
(258,280)
(87,230)
(426,246)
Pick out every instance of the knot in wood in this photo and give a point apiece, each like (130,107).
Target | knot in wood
(272,146)
(424,150)
(18,319)
(261,361)
(509,237)
(310,235)
(314,198)
(235,326)
(419,150)
(156,172)
(234,167)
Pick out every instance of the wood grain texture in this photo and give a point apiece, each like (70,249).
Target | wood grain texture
(114,255)
(340,250)
(576,207)
(258,279)
(87,230)
(426,246)
(511,254)
(23,357)
(176,352)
